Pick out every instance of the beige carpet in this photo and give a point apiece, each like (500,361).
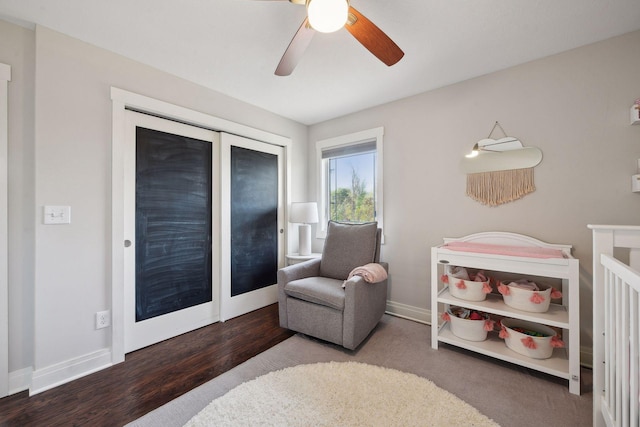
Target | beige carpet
(506,393)
(338,394)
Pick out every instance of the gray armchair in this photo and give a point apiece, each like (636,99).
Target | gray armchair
(312,299)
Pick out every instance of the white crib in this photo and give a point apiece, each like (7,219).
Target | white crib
(616,327)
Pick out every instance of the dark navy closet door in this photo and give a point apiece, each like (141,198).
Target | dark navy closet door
(172,223)
(254,220)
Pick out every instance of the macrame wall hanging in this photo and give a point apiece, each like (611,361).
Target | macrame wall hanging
(500,170)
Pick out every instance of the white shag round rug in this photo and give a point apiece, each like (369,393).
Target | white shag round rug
(339,394)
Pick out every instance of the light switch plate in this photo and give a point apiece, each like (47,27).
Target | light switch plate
(57,214)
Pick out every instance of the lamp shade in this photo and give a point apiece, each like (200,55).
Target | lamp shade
(304,212)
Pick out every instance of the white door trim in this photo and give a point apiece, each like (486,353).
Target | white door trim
(5,77)
(121,100)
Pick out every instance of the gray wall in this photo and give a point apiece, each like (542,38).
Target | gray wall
(574,106)
(60,275)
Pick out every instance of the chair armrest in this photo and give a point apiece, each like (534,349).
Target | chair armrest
(288,274)
(384,265)
(364,305)
(298,271)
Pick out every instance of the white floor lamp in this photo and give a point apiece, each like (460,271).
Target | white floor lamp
(304,213)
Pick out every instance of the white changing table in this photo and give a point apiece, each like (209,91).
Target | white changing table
(565,362)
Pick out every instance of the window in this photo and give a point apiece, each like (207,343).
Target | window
(350,178)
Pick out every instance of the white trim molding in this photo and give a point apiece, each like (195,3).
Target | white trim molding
(5,77)
(69,370)
(20,380)
(409,312)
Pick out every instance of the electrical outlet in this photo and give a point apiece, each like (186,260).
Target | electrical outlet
(103,319)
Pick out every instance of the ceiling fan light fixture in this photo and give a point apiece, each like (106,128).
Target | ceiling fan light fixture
(327,16)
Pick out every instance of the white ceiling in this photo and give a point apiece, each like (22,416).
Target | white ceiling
(233,46)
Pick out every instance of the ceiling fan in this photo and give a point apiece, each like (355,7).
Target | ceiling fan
(331,15)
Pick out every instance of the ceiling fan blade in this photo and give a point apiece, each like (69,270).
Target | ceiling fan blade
(296,49)
(373,38)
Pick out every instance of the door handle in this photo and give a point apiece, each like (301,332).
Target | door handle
(127,243)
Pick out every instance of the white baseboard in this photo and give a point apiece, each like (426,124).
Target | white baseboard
(64,372)
(19,380)
(69,370)
(409,312)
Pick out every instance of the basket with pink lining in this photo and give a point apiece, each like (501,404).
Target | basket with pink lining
(528,296)
(470,325)
(529,338)
(467,285)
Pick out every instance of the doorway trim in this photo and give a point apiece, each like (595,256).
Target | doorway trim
(122,100)
(5,77)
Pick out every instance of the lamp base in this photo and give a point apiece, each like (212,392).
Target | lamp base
(304,239)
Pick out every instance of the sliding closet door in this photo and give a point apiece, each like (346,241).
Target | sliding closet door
(252,224)
(171,224)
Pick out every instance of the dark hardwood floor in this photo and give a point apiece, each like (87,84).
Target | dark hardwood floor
(149,377)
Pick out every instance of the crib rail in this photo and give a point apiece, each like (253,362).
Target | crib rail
(621,329)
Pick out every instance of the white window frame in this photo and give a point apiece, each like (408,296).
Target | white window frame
(375,134)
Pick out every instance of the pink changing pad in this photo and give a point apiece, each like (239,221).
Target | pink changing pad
(522,251)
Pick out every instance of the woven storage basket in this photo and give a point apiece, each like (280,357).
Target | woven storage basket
(467,329)
(467,290)
(526,300)
(527,345)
